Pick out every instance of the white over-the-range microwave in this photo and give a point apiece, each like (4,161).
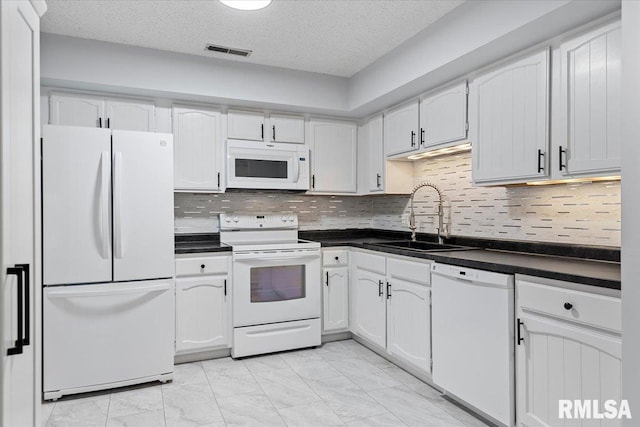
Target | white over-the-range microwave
(267,165)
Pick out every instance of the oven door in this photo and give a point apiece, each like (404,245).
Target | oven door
(268,166)
(275,286)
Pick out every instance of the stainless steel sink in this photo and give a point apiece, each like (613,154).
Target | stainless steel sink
(423,246)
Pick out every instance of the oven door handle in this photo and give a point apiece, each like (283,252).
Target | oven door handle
(258,258)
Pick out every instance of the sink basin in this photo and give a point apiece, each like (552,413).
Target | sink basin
(423,246)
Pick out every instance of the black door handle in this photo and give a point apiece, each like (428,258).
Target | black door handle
(413,139)
(378,180)
(27,309)
(218,180)
(561,151)
(379,288)
(274,132)
(313,181)
(520,339)
(108,123)
(540,165)
(262,131)
(17,348)
(225,287)
(388,290)
(326,281)
(422,136)
(99,122)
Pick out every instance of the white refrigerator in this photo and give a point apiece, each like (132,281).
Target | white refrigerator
(108,258)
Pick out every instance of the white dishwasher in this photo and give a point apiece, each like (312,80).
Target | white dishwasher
(472,338)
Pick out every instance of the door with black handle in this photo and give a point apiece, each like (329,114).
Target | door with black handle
(23,324)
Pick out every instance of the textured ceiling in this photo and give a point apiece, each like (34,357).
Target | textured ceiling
(338,37)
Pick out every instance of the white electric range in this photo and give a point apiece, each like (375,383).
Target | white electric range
(276,284)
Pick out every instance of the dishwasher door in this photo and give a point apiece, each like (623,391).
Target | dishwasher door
(472,338)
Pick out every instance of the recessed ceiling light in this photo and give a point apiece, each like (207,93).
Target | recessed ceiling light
(246,4)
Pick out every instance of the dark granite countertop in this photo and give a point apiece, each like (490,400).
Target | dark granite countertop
(595,266)
(199,243)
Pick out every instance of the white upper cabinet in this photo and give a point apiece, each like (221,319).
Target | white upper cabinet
(443,116)
(509,111)
(401,129)
(125,115)
(76,110)
(333,147)
(286,128)
(69,109)
(590,103)
(198,149)
(248,125)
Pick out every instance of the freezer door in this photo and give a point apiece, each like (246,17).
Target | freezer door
(102,335)
(76,193)
(142,205)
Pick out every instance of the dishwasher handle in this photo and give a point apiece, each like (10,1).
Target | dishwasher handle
(474,276)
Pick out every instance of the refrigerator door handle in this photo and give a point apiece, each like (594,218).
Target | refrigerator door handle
(104,203)
(74,293)
(117,205)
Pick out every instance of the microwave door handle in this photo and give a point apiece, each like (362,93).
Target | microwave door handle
(297,168)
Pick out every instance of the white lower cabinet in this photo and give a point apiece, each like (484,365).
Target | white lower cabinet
(390,306)
(335,291)
(568,346)
(203,301)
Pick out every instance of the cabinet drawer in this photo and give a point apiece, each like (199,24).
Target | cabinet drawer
(334,258)
(408,270)
(370,262)
(591,309)
(202,266)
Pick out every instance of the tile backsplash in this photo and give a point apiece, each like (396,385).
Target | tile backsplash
(586,213)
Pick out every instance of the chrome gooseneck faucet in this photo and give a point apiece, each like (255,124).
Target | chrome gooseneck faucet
(412,215)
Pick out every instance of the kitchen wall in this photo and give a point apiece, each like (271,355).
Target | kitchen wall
(587,213)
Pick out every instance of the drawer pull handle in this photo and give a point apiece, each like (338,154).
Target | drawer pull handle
(568,306)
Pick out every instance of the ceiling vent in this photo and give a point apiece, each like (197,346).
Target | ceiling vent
(228,50)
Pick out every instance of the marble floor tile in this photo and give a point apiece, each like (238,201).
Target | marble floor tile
(222,365)
(249,410)
(384,420)
(313,369)
(345,398)
(461,414)
(402,376)
(284,388)
(335,350)
(140,419)
(310,415)
(127,402)
(412,409)
(259,364)
(45,412)
(188,373)
(190,405)
(228,379)
(81,412)
(364,374)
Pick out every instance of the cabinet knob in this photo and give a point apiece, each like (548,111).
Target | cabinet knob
(202,266)
(337,258)
(568,306)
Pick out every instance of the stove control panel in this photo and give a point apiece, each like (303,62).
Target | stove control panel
(257,222)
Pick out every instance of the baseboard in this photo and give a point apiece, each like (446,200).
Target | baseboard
(201,355)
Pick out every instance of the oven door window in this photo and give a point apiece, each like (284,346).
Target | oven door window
(279,283)
(257,168)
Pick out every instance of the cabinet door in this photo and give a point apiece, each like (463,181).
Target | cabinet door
(369,306)
(125,115)
(202,313)
(509,109)
(591,103)
(409,323)
(335,299)
(19,211)
(76,110)
(401,130)
(443,116)
(333,156)
(558,360)
(283,128)
(375,149)
(245,125)
(198,148)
